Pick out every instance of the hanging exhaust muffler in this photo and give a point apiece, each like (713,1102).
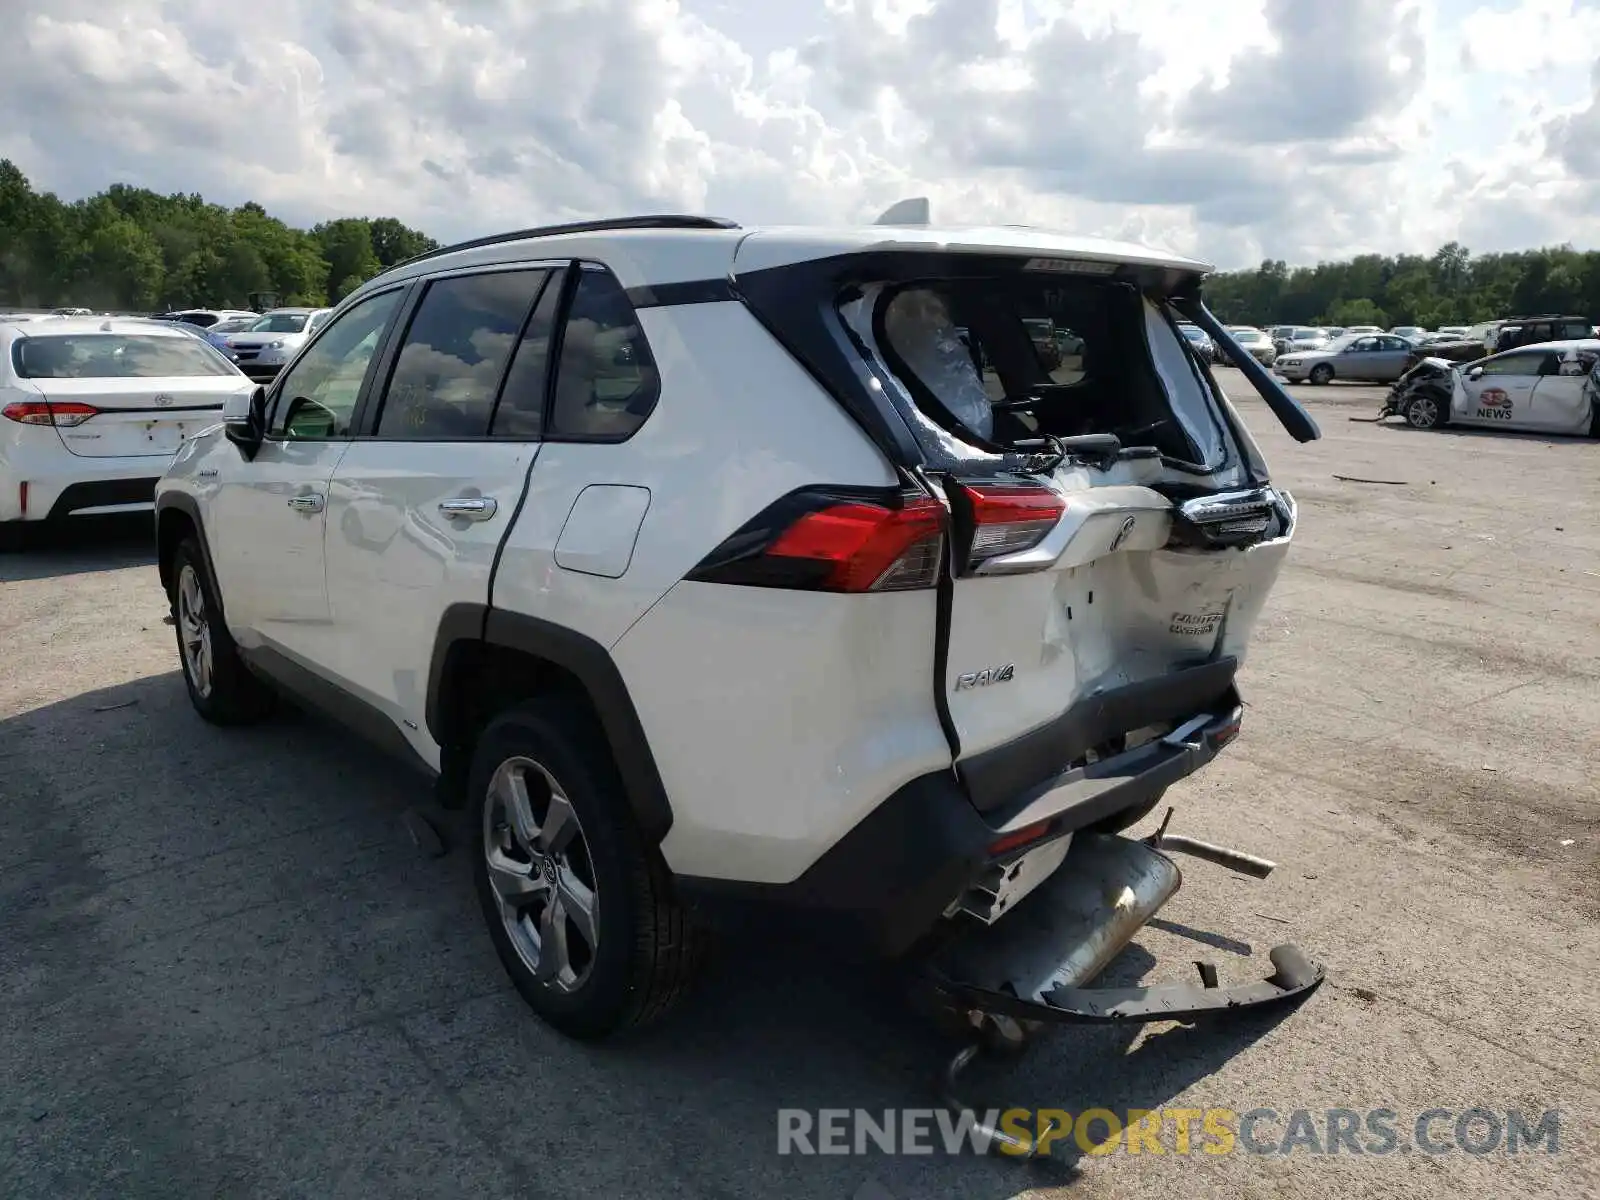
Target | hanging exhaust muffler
(1003,982)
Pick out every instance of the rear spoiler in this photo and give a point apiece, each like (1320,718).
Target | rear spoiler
(1294,418)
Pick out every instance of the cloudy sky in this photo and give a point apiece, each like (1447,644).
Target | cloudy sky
(1233,129)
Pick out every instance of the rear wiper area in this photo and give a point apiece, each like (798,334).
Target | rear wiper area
(1094,449)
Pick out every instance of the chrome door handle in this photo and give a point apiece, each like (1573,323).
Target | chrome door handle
(473,508)
(306,502)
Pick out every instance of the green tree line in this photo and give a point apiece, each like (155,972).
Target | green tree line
(134,250)
(1451,287)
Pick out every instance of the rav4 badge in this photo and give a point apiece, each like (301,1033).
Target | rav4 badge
(977,679)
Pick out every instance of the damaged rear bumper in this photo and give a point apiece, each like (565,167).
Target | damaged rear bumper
(892,879)
(1034,965)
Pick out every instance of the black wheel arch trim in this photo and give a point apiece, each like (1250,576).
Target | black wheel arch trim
(187,505)
(586,660)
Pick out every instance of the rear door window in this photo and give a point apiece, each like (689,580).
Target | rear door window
(454,353)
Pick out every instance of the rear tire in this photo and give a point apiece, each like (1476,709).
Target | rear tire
(580,909)
(1321,374)
(221,688)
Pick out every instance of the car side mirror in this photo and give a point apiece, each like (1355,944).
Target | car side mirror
(1475,373)
(244,421)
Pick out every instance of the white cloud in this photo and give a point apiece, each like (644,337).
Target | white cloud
(1259,127)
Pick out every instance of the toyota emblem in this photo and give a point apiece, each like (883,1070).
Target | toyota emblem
(1122,534)
(163,401)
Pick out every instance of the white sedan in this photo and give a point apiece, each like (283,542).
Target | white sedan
(93,409)
(1553,387)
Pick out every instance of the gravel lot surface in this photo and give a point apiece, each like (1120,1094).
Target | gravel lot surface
(225,971)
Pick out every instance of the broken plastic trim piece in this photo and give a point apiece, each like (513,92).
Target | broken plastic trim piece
(1293,976)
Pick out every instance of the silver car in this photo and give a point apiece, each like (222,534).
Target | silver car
(1373,357)
(1255,343)
(265,346)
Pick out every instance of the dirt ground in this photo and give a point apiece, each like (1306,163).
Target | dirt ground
(225,971)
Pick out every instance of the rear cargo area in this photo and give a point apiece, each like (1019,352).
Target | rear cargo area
(1111,531)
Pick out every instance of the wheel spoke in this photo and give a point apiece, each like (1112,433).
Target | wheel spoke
(519,808)
(203,662)
(559,827)
(514,882)
(576,899)
(554,961)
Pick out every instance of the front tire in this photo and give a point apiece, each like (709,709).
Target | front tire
(221,687)
(1425,411)
(580,909)
(1321,374)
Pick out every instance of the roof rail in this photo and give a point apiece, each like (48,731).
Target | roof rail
(657,221)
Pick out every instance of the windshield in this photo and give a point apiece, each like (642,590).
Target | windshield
(280,323)
(1193,332)
(115,356)
(233,326)
(1302,335)
(1247,337)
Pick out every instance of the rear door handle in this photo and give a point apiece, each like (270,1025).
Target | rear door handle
(473,508)
(306,502)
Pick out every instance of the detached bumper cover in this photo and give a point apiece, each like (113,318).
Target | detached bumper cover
(1035,963)
(1293,976)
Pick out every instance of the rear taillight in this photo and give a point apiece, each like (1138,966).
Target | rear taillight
(1007,518)
(830,541)
(48,412)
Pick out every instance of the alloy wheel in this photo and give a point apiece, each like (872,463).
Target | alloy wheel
(194,630)
(1422,413)
(542,873)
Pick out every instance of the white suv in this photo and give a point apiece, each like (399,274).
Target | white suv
(714,565)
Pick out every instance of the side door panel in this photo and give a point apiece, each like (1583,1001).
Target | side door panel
(1560,404)
(1359,359)
(1390,361)
(1501,395)
(269,514)
(422,500)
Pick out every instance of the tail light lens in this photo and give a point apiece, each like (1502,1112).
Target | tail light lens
(48,412)
(1007,518)
(822,540)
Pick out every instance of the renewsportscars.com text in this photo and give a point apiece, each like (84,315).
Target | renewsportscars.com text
(1180,1131)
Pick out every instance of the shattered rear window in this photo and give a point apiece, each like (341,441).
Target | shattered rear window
(1004,362)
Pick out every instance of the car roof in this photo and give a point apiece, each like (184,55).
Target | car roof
(659,250)
(1568,346)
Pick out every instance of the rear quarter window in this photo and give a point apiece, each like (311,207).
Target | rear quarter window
(606,382)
